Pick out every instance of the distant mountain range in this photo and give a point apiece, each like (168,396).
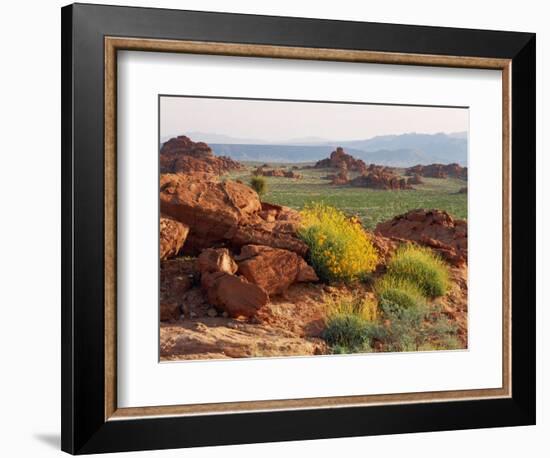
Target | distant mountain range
(403,150)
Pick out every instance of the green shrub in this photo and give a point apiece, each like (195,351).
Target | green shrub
(363,307)
(346,333)
(259,184)
(401,293)
(421,267)
(340,250)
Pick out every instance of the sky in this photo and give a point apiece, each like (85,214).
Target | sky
(282,121)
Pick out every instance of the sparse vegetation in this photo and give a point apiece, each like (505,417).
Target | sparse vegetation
(422,267)
(398,292)
(347,333)
(373,206)
(340,250)
(259,184)
(363,307)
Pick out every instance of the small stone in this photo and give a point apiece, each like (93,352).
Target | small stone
(182,317)
(225,314)
(193,315)
(212,313)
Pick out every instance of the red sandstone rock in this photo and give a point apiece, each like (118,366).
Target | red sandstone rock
(182,155)
(381,180)
(213,210)
(439,171)
(341,178)
(227,214)
(277,173)
(172,237)
(415,179)
(233,294)
(176,278)
(216,260)
(433,228)
(338,158)
(273,269)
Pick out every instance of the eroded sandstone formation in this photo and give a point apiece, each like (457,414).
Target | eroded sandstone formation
(182,155)
(338,158)
(341,178)
(415,179)
(439,171)
(381,180)
(226,214)
(433,228)
(260,171)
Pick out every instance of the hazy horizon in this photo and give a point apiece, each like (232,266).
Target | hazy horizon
(261,121)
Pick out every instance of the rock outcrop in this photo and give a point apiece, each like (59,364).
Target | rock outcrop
(338,158)
(227,214)
(172,237)
(273,269)
(380,180)
(439,171)
(415,179)
(212,209)
(341,178)
(433,228)
(260,171)
(182,155)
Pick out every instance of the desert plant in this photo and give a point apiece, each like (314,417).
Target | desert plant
(259,184)
(346,333)
(364,307)
(399,292)
(340,249)
(422,267)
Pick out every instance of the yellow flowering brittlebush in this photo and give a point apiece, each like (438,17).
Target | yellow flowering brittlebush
(340,249)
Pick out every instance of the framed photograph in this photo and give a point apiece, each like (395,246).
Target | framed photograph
(283,228)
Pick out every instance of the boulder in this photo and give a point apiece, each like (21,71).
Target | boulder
(227,214)
(233,294)
(273,269)
(277,234)
(172,237)
(213,210)
(433,228)
(216,260)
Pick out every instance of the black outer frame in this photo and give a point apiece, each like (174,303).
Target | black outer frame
(84,429)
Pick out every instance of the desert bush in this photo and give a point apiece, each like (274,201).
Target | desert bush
(422,267)
(418,328)
(364,307)
(400,293)
(340,250)
(347,333)
(259,184)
